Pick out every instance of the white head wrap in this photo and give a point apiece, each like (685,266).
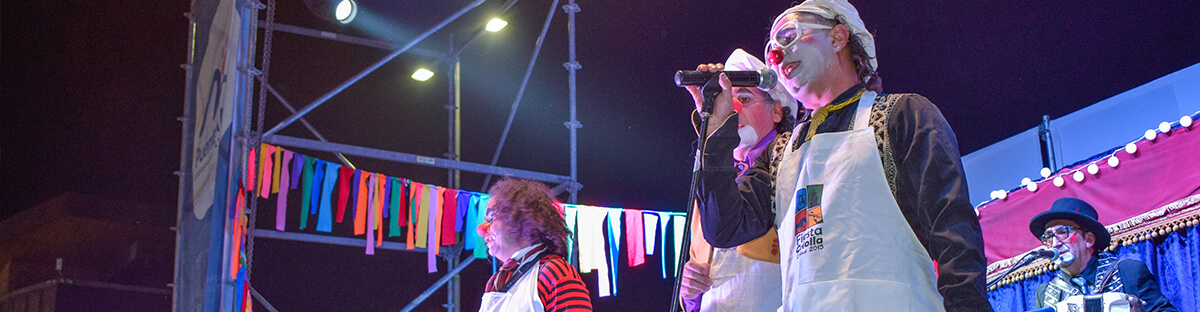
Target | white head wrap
(740,60)
(833,9)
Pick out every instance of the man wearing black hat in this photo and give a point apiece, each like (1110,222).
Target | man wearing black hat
(1071,228)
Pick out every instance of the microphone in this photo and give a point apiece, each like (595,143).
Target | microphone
(1044,253)
(764,79)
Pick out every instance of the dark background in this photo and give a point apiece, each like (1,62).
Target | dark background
(90,91)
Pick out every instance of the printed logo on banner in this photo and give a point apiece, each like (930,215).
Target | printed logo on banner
(809,220)
(214,99)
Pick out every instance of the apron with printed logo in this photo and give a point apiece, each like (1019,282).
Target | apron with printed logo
(844,244)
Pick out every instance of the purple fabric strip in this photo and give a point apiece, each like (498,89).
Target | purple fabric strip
(281,199)
(431,256)
(354,193)
(297,168)
(371,182)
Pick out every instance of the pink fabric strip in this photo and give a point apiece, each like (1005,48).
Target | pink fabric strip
(264,184)
(634,237)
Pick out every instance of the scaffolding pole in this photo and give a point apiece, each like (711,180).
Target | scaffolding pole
(321,100)
(451,162)
(412,159)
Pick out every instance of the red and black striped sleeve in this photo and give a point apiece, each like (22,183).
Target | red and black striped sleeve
(560,287)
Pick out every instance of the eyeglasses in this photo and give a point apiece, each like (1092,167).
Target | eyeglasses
(1060,232)
(793,29)
(786,36)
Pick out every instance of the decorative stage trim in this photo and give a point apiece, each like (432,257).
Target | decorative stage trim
(1169,218)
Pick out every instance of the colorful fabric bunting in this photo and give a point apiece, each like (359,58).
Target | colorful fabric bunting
(449,214)
(325,215)
(464,201)
(663,219)
(399,216)
(481,250)
(570,212)
(360,205)
(344,174)
(297,168)
(380,180)
(423,219)
(251,169)
(414,206)
(431,216)
(310,165)
(387,200)
(354,187)
(281,199)
(431,222)
(370,216)
(264,165)
(278,153)
(633,237)
(650,221)
(236,222)
(614,244)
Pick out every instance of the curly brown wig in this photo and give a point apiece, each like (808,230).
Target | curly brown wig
(531,212)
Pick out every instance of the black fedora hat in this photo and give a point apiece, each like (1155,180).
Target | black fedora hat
(1073,209)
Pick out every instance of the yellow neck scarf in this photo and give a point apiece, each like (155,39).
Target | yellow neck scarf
(823,112)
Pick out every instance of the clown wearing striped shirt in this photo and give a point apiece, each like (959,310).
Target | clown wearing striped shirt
(524,229)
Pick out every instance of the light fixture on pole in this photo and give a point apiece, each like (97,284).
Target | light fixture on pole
(340,11)
(422,74)
(496,24)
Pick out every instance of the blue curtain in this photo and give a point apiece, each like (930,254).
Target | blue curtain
(1175,261)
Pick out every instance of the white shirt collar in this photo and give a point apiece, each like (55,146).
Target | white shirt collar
(523,251)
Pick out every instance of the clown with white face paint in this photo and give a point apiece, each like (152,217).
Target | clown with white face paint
(868,197)
(734,279)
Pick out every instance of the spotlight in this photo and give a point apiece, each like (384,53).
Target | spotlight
(340,11)
(422,74)
(345,11)
(496,24)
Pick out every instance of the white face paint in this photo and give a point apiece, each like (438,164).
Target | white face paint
(809,56)
(748,136)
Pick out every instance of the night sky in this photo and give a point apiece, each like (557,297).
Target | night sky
(91,91)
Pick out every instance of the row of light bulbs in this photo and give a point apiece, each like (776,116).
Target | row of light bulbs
(1092,168)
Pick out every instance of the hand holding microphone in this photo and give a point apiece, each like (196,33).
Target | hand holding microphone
(722,104)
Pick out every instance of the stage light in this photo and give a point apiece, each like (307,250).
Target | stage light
(495,25)
(422,74)
(345,11)
(340,11)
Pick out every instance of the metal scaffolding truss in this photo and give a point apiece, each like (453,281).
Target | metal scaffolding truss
(247,137)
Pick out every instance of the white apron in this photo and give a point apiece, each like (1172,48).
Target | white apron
(522,297)
(844,244)
(741,284)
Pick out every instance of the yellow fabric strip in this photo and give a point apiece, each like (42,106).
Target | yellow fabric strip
(823,112)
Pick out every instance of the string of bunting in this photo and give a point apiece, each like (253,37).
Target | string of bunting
(430,216)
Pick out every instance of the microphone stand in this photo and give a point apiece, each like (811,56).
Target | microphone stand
(709,92)
(1024,261)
